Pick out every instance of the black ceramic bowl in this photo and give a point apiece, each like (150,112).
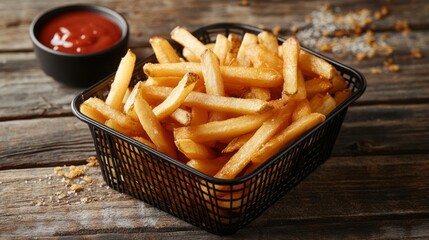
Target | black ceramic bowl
(79,70)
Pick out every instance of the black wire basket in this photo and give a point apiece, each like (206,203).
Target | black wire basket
(218,206)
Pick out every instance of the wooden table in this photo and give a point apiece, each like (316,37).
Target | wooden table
(374,186)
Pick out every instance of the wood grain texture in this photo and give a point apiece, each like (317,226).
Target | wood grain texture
(44,142)
(344,194)
(26,92)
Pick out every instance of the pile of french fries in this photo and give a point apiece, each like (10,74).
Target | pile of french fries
(223,108)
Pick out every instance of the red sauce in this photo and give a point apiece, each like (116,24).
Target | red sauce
(79,32)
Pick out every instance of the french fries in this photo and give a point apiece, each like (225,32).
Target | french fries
(291,51)
(315,66)
(121,81)
(256,77)
(226,110)
(176,96)
(153,127)
(164,52)
(190,42)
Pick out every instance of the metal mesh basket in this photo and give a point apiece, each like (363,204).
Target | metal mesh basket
(215,205)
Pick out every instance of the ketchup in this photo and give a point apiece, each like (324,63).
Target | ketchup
(79,32)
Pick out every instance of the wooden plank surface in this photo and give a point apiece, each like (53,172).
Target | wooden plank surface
(375,185)
(344,193)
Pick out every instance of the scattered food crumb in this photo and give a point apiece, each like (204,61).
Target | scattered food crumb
(244,3)
(384,11)
(350,33)
(76,187)
(402,25)
(92,161)
(376,70)
(87,179)
(73,172)
(416,54)
(391,66)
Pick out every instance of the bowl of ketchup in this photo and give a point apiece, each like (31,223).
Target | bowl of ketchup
(79,45)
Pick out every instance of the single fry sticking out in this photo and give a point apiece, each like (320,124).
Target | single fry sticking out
(121,81)
(291,49)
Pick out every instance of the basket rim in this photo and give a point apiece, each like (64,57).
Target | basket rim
(82,96)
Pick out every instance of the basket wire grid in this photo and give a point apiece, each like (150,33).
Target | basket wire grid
(218,206)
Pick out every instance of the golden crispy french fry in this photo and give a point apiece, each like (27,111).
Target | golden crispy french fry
(221,48)
(302,108)
(256,77)
(291,49)
(342,95)
(259,93)
(163,50)
(211,72)
(322,103)
(128,106)
(237,142)
(225,129)
(108,112)
(301,92)
(194,150)
(210,102)
(163,81)
(208,166)
(145,142)
(199,116)
(182,116)
(244,155)
(269,40)
(91,113)
(121,81)
(261,57)
(187,40)
(314,66)
(126,95)
(111,123)
(249,39)
(191,57)
(153,128)
(317,85)
(176,96)
(338,84)
(212,79)
(234,42)
(283,138)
